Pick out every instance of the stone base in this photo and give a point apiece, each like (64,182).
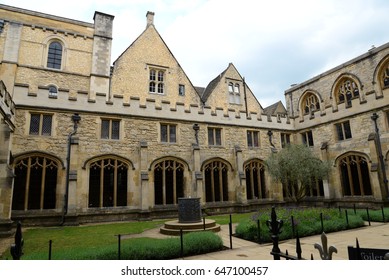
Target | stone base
(174,227)
(6,229)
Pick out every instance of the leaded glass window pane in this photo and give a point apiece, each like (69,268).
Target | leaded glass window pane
(46,125)
(34,124)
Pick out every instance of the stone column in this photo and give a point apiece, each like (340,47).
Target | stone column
(6,180)
(146,194)
(241,196)
(378,189)
(197,175)
(74,164)
(324,157)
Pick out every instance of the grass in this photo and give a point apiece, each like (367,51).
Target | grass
(100,241)
(306,222)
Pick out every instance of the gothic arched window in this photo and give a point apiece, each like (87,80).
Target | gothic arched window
(216,181)
(346,91)
(355,177)
(168,182)
(35,184)
(255,180)
(310,104)
(108,183)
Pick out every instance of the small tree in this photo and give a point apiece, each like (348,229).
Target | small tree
(298,169)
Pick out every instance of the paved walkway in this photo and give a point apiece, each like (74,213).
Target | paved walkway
(374,236)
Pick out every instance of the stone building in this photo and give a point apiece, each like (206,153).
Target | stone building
(86,140)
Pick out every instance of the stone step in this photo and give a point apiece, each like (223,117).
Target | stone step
(174,227)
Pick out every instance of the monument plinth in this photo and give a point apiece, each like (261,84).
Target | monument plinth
(189,210)
(189,219)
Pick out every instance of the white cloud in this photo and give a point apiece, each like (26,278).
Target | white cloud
(272,43)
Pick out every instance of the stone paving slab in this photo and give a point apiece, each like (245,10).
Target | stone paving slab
(374,236)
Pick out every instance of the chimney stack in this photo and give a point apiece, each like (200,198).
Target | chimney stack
(150,18)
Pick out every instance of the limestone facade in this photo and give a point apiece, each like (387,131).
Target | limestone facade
(147,136)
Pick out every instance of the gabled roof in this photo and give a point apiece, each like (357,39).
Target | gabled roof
(275,109)
(211,86)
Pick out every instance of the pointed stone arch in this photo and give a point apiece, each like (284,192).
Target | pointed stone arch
(354,174)
(381,74)
(36,181)
(346,88)
(108,180)
(255,179)
(309,103)
(216,172)
(169,180)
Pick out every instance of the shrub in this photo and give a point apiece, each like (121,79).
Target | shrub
(306,222)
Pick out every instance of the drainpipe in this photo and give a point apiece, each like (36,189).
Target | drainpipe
(75,118)
(245,96)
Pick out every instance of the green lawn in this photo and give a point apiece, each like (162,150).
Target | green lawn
(77,242)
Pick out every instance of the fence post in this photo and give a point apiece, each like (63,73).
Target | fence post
(230,228)
(383,214)
(182,243)
(346,218)
(293,229)
(368,215)
(275,226)
(119,247)
(259,231)
(321,221)
(17,247)
(204,222)
(50,247)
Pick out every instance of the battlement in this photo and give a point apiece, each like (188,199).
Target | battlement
(149,108)
(342,111)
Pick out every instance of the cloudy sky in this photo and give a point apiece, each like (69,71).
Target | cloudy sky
(273,44)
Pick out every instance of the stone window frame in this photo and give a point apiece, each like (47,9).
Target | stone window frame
(32,163)
(43,121)
(343,130)
(253,138)
(46,47)
(53,91)
(346,90)
(171,170)
(234,93)
(215,136)
(168,138)
(216,183)
(307,138)
(255,179)
(310,104)
(385,76)
(114,165)
(157,80)
(285,139)
(181,90)
(112,133)
(354,166)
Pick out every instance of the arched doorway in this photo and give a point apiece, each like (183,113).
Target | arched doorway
(216,181)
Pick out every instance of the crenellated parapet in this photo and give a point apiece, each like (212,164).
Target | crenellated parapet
(150,108)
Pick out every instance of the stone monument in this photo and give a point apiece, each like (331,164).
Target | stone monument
(189,219)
